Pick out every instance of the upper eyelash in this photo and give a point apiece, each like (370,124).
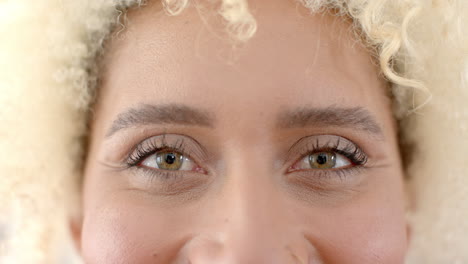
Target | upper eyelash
(350,151)
(142,151)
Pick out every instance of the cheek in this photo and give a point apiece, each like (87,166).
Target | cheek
(380,239)
(126,227)
(124,232)
(371,229)
(134,229)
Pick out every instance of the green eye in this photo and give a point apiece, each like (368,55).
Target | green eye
(322,160)
(169,160)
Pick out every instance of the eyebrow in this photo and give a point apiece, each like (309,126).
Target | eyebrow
(161,114)
(351,117)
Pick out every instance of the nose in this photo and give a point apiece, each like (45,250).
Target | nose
(252,250)
(249,222)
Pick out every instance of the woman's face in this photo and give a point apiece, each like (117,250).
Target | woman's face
(281,150)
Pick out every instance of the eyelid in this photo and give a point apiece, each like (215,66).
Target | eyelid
(317,143)
(305,160)
(168,183)
(323,181)
(182,144)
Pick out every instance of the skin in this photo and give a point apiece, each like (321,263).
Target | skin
(245,116)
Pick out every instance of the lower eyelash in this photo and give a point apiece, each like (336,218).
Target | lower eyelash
(153,175)
(333,174)
(350,151)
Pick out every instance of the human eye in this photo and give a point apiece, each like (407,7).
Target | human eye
(330,166)
(331,154)
(323,160)
(167,159)
(168,165)
(166,154)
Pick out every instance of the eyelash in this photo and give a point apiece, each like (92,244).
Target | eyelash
(351,151)
(142,151)
(150,147)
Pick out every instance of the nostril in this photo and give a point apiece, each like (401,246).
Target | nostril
(204,249)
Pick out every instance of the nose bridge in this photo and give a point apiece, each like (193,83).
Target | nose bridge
(252,224)
(252,207)
(252,201)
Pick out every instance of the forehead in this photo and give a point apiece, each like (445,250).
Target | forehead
(294,59)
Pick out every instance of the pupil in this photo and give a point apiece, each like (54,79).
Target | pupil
(170,158)
(322,158)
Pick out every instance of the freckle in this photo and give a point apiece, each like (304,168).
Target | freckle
(226,220)
(155,255)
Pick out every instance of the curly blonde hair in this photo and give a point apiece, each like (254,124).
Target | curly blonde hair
(391,29)
(421,47)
